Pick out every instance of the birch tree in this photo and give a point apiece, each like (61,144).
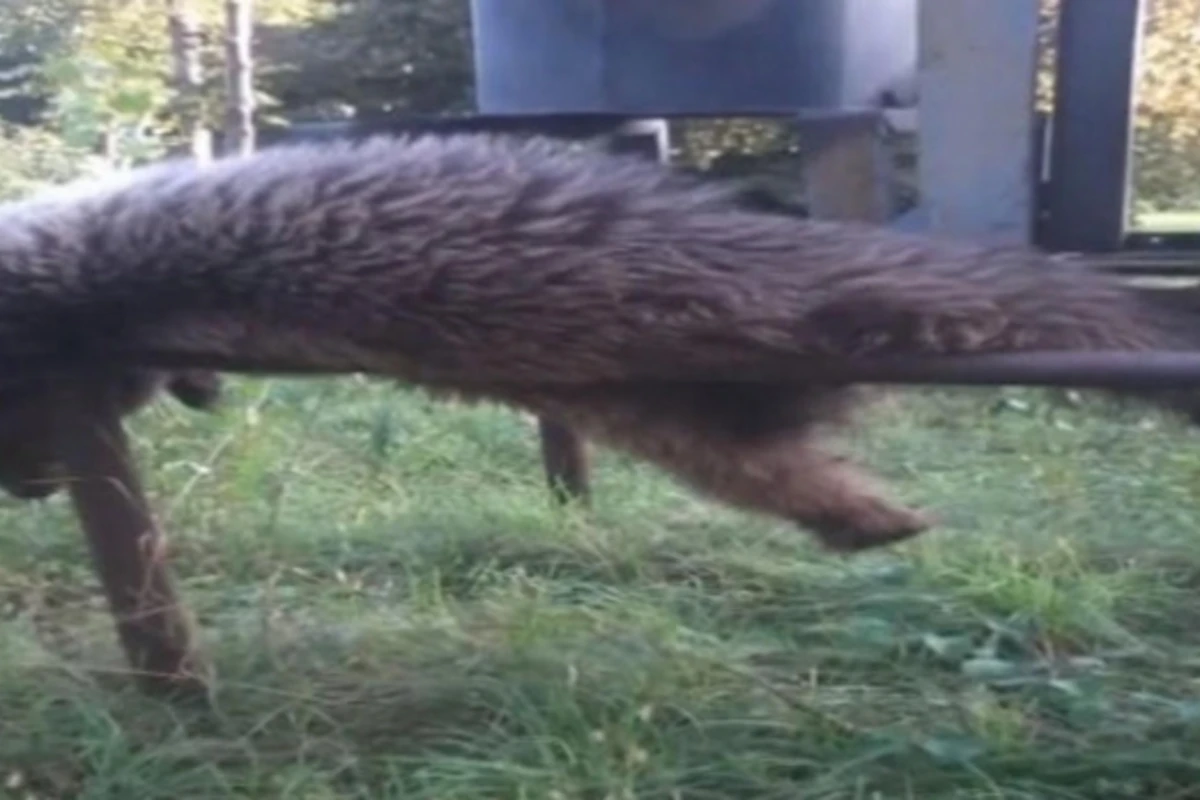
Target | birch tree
(239,77)
(187,77)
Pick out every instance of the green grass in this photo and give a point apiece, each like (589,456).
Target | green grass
(396,611)
(1167,222)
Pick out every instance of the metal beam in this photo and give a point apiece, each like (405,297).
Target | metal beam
(1081,369)
(1086,196)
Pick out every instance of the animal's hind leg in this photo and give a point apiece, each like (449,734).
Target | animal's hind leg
(565,460)
(824,492)
(790,475)
(752,448)
(195,388)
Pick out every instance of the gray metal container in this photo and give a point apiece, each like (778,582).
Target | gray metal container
(650,57)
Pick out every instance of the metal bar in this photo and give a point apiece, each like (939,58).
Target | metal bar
(1091,128)
(1173,242)
(1099,370)
(566,126)
(1132,269)
(1082,369)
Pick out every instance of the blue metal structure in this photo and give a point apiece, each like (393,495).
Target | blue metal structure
(688,57)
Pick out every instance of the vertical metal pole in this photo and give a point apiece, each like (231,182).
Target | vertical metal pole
(1092,125)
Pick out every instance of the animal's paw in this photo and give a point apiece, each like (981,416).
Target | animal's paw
(867,523)
(196,389)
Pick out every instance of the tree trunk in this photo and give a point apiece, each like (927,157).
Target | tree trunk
(239,77)
(188,78)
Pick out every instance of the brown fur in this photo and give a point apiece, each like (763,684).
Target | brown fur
(604,291)
(30,468)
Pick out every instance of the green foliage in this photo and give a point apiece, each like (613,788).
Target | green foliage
(31,158)
(1166,146)
(29,33)
(98,69)
(1167,122)
(372,55)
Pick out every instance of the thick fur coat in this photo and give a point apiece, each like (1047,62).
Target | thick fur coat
(613,293)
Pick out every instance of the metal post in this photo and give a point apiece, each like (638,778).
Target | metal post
(978,61)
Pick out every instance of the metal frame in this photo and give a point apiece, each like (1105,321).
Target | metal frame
(565,126)
(575,125)
(1128,370)
(1088,156)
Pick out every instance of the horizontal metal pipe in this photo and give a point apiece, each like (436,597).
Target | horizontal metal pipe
(1112,370)
(1080,369)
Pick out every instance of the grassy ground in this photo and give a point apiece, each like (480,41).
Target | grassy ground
(396,611)
(1167,222)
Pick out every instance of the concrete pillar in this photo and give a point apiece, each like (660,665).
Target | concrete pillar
(977,65)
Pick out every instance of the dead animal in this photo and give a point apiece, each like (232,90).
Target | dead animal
(616,295)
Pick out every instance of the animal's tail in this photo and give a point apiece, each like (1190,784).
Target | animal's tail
(872,290)
(895,293)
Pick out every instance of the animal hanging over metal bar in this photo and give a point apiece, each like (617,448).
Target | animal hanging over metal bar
(641,307)
(637,305)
